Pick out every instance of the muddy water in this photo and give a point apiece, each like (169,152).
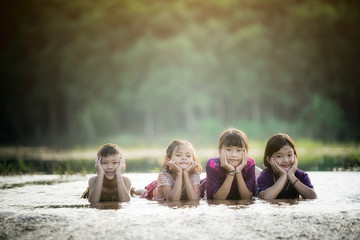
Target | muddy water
(49,207)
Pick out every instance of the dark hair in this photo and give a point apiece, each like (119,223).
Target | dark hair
(274,144)
(170,149)
(109,149)
(233,137)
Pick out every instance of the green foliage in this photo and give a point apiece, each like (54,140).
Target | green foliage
(324,118)
(75,72)
(331,163)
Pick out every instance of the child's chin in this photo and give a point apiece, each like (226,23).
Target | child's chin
(183,167)
(111,177)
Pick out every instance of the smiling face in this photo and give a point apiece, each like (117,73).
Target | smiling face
(182,156)
(233,154)
(285,157)
(110,164)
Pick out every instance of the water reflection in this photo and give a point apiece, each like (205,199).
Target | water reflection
(106,205)
(233,204)
(180,204)
(16,185)
(64,206)
(282,202)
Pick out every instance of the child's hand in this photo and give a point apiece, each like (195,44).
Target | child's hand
(122,166)
(174,167)
(293,168)
(224,163)
(191,167)
(276,168)
(98,167)
(243,163)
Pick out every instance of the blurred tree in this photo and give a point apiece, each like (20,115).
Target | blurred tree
(75,72)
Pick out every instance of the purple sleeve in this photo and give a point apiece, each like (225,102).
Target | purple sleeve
(213,183)
(264,181)
(249,178)
(304,178)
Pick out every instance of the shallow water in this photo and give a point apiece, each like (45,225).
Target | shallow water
(50,207)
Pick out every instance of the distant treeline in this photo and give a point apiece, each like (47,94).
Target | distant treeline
(76,71)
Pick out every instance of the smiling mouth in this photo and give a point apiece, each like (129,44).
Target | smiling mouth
(233,160)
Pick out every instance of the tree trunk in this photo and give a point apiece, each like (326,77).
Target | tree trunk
(149,124)
(255,110)
(70,120)
(89,127)
(53,123)
(190,120)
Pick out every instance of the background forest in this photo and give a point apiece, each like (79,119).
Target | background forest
(139,71)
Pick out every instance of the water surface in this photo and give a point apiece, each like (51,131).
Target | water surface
(50,207)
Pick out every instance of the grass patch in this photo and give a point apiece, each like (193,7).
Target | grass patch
(312,155)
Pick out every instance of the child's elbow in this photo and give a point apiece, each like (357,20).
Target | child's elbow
(91,200)
(312,195)
(194,197)
(125,199)
(264,196)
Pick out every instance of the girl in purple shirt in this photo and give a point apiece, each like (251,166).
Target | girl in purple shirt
(282,179)
(232,175)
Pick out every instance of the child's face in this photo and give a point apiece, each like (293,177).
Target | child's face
(233,154)
(285,157)
(182,156)
(110,164)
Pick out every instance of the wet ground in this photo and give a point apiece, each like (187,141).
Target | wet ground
(50,207)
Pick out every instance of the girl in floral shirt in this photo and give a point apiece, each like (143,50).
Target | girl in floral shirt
(180,175)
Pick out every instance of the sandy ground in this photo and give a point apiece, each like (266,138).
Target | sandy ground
(31,210)
(180,222)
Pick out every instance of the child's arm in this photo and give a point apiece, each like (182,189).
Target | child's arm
(192,191)
(123,183)
(224,190)
(243,189)
(96,183)
(273,191)
(173,193)
(303,190)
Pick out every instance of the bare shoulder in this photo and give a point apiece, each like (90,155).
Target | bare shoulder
(92,181)
(127,181)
